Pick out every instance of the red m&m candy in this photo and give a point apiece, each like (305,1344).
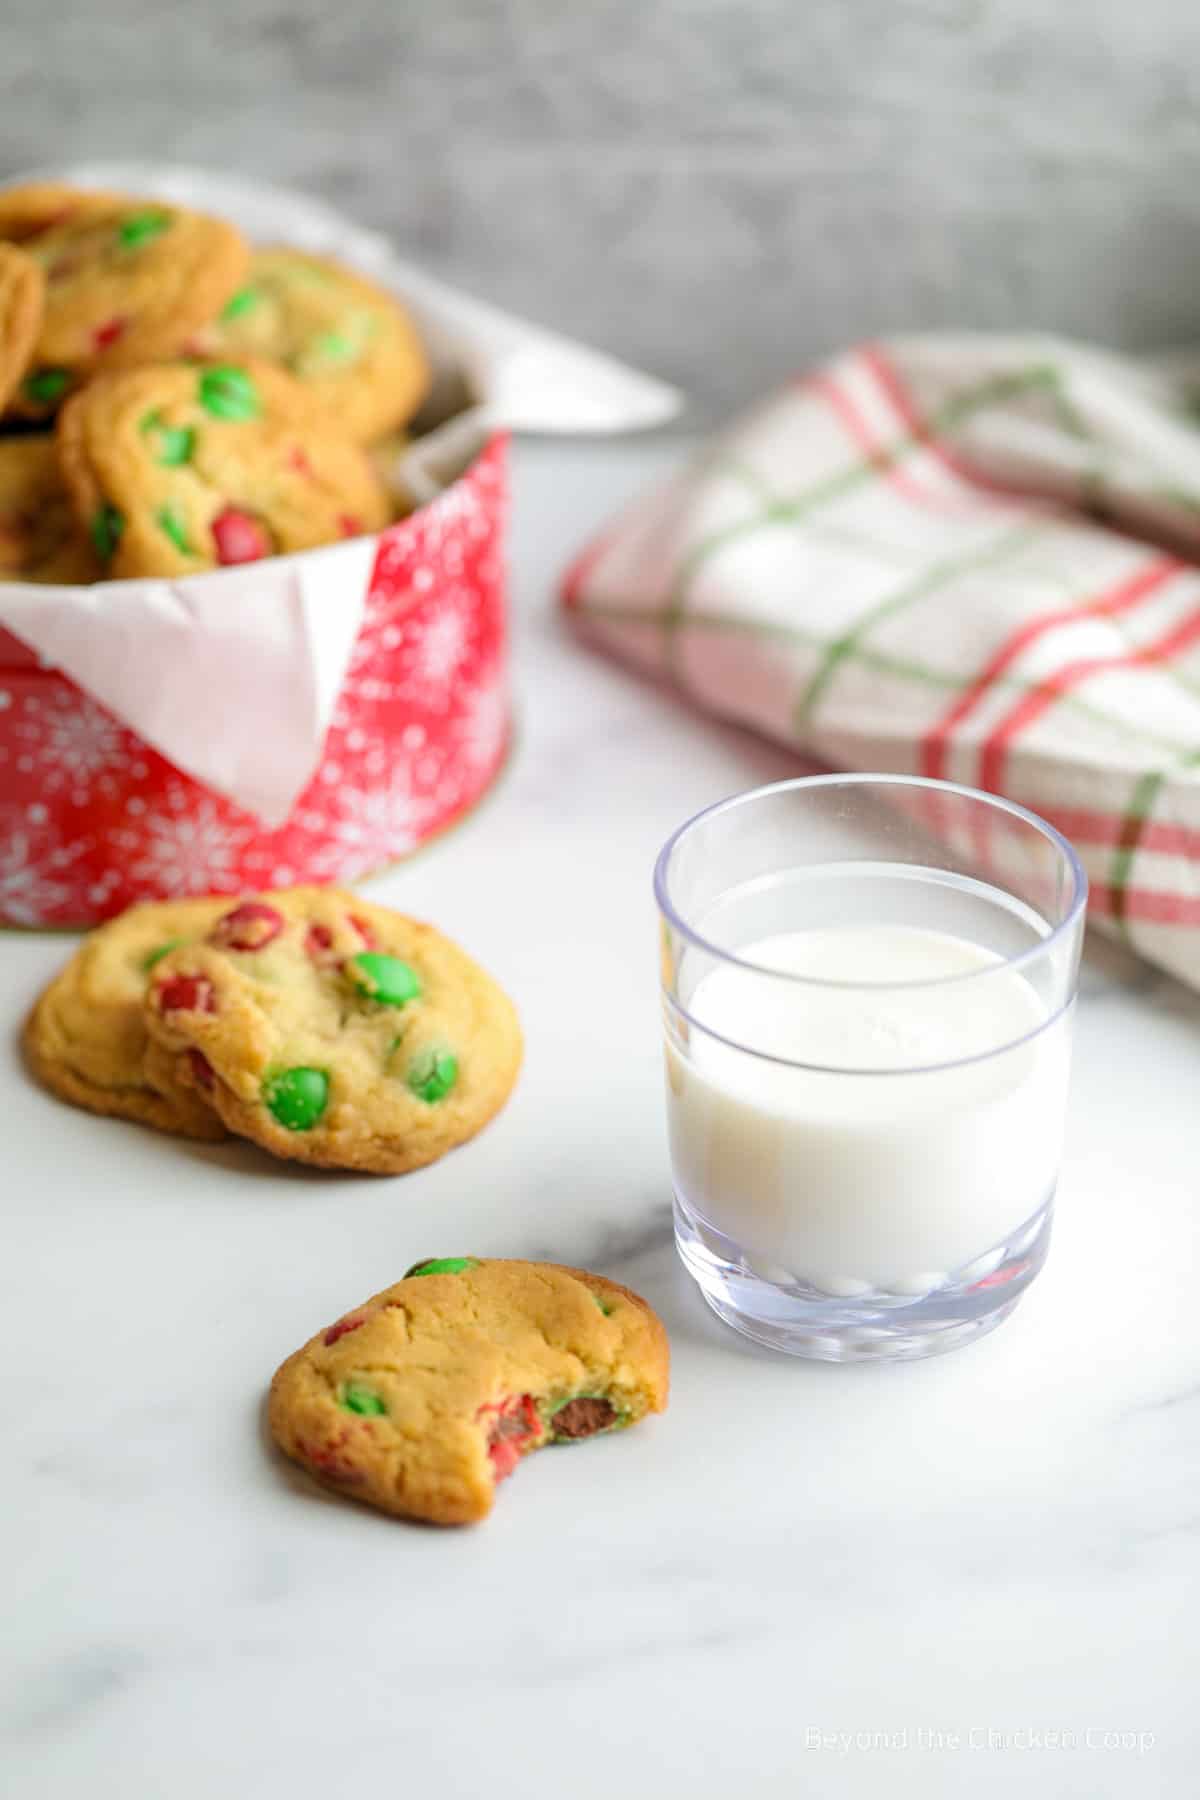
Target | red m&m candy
(240,537)
(513,1428)
(202,1069)
(250,926)
(342,1327)
(187,993)
(107,334)
(318,941)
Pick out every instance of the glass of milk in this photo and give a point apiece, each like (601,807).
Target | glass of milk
(868,983)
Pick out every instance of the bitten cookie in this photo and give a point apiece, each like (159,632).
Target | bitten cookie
(125,279)
(350,343)
(39,539)
(335,1032)
(85,1038)
(421,1400)
(21,294)
(174,468)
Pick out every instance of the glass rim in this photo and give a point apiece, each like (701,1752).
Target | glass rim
(1020,959)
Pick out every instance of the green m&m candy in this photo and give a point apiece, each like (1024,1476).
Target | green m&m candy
(332,346)
(138,228)
(244,301)
(169,521)
(331,349)
(297,1097)
(432,1074)
(106,528)
(357,1397)
(228,393)
(46,385)
(170,445)
(384,978)
(442,1265)
(148,962)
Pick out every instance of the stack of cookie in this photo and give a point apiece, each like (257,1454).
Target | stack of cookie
(321,1027)
(172,399)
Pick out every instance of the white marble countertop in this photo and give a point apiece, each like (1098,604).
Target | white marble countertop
(950,1562)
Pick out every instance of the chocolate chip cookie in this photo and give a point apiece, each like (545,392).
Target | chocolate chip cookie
(350,343)
(425,1397)
(176,468)
(85,1039)
(335,1032)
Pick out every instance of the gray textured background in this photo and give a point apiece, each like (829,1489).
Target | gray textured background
(715,188)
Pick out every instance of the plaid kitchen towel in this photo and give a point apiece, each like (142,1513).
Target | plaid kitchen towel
(966,557)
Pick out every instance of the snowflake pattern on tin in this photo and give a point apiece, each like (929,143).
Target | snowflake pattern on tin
(187,847)
(483,725)
(442,645)
(72,742)
(38,872)
(369,680)
(416,737)
(420,662)
(368,827)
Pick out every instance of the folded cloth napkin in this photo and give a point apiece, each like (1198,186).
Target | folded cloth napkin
(966,557)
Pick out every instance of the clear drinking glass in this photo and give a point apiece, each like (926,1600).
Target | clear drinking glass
(868,983)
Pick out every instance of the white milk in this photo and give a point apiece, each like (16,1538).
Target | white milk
(852,1180)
